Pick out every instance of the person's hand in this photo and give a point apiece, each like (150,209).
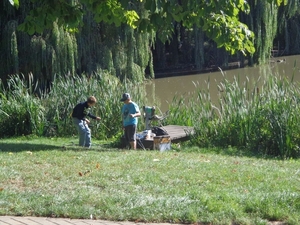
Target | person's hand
(132,115)
(98,118)
(87,121)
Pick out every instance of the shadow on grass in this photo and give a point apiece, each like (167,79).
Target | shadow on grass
(231,151)
(19,147)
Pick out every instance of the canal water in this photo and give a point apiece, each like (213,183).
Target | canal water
(161,91)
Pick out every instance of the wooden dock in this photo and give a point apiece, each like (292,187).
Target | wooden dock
(178,133)
(175,132)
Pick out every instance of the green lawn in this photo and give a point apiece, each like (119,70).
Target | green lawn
(53,177)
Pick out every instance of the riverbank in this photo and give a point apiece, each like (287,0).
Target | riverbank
(190,70)
(182,70)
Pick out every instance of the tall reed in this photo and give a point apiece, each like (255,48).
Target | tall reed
(261,116)
(21,111)
(28,109)
(68,91)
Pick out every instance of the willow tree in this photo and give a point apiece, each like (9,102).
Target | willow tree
(44,55)
(264,23)
(121,50)
(218,19)
(288,35)
(9,45)
(59,50)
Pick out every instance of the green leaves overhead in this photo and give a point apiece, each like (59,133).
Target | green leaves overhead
(112,12)
(218,18)
(47,12)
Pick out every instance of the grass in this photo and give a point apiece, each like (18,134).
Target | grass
(54,177)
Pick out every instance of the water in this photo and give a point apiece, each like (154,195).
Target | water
(161,91)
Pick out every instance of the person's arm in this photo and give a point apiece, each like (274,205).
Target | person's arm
(137,114)
(93,117)
(122,118)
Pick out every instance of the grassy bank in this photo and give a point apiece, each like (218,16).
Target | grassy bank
(53,177)
(260,116)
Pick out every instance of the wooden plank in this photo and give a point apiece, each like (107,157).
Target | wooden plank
(178,132)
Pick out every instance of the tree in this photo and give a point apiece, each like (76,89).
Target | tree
(217,18)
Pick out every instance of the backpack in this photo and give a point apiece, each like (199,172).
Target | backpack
(158,131)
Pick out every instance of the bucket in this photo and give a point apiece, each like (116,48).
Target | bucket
(162,143)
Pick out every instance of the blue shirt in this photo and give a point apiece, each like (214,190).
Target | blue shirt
(127,109)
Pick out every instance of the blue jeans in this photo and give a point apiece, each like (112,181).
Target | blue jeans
(84,132)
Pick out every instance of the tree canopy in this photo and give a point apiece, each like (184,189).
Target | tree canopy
(219,19)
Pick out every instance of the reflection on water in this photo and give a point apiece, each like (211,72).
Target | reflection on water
(161,91)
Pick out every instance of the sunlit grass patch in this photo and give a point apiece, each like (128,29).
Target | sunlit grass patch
(146,186)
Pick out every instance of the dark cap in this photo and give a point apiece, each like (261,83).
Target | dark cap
(125,96)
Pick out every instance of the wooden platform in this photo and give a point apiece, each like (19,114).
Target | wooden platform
(176,133)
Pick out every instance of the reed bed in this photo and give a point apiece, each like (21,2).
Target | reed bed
(260,117)
(28,107)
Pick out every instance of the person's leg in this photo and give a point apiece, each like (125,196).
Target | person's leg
(81,127)
(132,136)
(133,145)
(88,136)
(126,135)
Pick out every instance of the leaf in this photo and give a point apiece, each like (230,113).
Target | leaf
(98,165)
(80,174)
(14,3)
(86,172)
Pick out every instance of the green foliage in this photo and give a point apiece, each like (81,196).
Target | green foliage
(60,51)
(63,97)
(264,13)
(23,113)
(262,118)
(218,19)
(10,46)
(57,51)
(15,3)
(112,12)
(47,12)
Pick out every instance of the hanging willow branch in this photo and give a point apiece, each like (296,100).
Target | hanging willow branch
(10,47)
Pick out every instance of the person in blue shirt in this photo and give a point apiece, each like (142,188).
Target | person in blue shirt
(130,114)
(79,114)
